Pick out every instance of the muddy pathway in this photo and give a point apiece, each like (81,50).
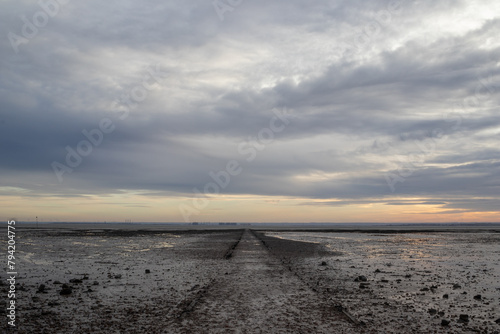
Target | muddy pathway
(258,295)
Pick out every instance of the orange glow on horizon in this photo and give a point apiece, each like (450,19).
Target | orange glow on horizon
(227,208)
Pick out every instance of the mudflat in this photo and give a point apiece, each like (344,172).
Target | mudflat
(247,281)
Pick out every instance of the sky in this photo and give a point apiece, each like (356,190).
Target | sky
(250,111)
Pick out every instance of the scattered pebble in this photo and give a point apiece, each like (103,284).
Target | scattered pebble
(464,318)
(445,322)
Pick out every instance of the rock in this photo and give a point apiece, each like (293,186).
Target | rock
(57,282)
(65,291)
(408,276)
(377,270)
(424,289)
(65,286)
(441,313)
(498,321)
(360,279)
(148,271)
(75,281)
(445,322)
(363,285)
(456,286)
(463,318)
(41,288)
(432,311)
(445,296)
(118,276)
(95,283)
(477,297)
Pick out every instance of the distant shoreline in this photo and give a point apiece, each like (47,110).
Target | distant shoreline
(283,227)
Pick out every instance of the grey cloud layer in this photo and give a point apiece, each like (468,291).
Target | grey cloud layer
(359,107)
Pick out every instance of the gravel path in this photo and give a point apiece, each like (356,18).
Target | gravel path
(258,295)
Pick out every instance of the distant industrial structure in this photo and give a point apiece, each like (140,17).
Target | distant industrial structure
(221,224)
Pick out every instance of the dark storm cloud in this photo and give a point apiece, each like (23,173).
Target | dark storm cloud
(362,100)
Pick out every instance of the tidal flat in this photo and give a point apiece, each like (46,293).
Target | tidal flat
(99,280)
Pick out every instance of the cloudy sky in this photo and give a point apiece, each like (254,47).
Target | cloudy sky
(230,110)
